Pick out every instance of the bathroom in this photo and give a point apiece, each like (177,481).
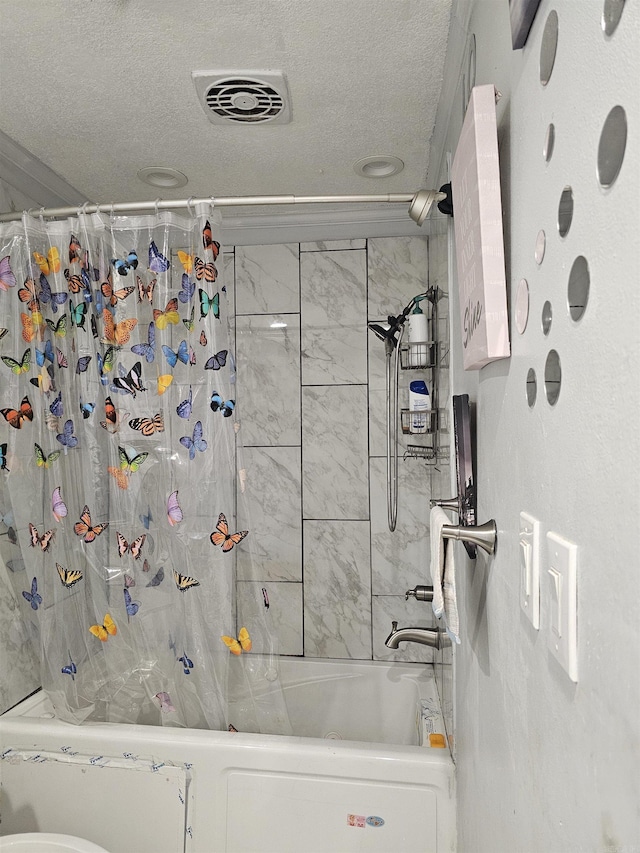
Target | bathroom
(542,763)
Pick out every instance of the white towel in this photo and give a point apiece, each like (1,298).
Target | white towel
(443,575)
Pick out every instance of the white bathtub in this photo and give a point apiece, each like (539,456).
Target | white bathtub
(359,776)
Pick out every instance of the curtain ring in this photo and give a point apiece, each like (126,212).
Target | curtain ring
(157,202)
(191,210)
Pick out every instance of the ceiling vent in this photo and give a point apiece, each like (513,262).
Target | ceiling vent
(243,97)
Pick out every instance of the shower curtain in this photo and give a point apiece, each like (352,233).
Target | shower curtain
(118,447)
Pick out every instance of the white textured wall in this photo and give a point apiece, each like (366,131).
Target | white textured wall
(545,765)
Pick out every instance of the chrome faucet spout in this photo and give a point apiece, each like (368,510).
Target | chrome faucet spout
(425,636)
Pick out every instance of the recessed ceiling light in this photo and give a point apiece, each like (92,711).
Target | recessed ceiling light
(378,166)
(161,176)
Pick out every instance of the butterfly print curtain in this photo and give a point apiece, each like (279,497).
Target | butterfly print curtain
(118,444)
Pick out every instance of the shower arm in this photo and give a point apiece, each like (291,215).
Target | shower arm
(419,202)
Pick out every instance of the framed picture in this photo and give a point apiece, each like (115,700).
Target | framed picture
(521,14)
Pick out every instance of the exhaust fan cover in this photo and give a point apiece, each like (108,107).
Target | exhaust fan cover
(243,97)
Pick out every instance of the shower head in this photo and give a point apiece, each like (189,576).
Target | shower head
(382,331)
(421,204)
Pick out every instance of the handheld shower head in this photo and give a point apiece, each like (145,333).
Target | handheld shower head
(386,333)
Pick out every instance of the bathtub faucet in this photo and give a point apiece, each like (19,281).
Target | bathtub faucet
(426,636)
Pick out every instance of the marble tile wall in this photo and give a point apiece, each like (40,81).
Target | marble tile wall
(311,404)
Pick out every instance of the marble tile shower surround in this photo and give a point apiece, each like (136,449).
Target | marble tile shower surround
(18,665)
(313,426)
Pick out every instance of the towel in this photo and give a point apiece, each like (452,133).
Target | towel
(443,575)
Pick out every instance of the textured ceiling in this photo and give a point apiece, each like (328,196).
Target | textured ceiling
(98,89)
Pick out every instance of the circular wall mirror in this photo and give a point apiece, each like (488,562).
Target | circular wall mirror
(552,377)
(578,289)
(611,148)
(611,15)
(565,211)
(532,387)
(522,306)
(548,47)
(549,142)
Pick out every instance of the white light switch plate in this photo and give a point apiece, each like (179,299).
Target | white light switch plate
(562,598)
(529,562)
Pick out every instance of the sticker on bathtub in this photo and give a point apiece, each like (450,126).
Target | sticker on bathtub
(375,821)
(356,820)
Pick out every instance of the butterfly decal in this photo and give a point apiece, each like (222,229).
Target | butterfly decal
(58,506)
(132,606)
(68,577)
(165,702)
(112,422)
(78,313)
(184,582)
(49,263)
(3,457)
(242,644)
(61,358)
(106,630)
(74,250)
(43,541)
(206,270)
(188,321)
(146,519)
(127,467)
(157,261)
(145,291)
(135,548)
(56,408)
(105,363)
(117,334)
(66,437)
(49,296)
(232,728)
(216,361)
(221,535)
(86,409)
(31,327)
(44,355)
(169,315)
(17,417)
(225,407)
(187,290)
(185,408)
(163,382)
(27,293)
(265,598)
(43,460)
(148,426)
(187,262)
(157,579)
(112,296)
(71,669)
(83,363)
(208,242)
(174,510)
(7,278)
(129,581)
(203,341)
(85,529)
(76,283)
(59,329)
(44,380)
(148,350)
(194,442)
(3,332)
(34,598)
(187,664)
(209,303)
(129,383)
(122,266)
(21,366)
(183,354)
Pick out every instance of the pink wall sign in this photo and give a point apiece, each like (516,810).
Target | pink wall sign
(477,206)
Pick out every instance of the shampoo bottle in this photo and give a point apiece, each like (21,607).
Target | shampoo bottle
(419,406)
(418,336)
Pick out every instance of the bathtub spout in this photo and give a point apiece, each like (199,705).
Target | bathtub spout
(425,636)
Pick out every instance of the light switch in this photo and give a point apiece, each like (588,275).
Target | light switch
(529,552)
(562,600)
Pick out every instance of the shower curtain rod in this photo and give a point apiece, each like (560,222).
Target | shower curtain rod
(420,202)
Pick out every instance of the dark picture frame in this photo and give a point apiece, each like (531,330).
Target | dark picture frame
(521,15)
